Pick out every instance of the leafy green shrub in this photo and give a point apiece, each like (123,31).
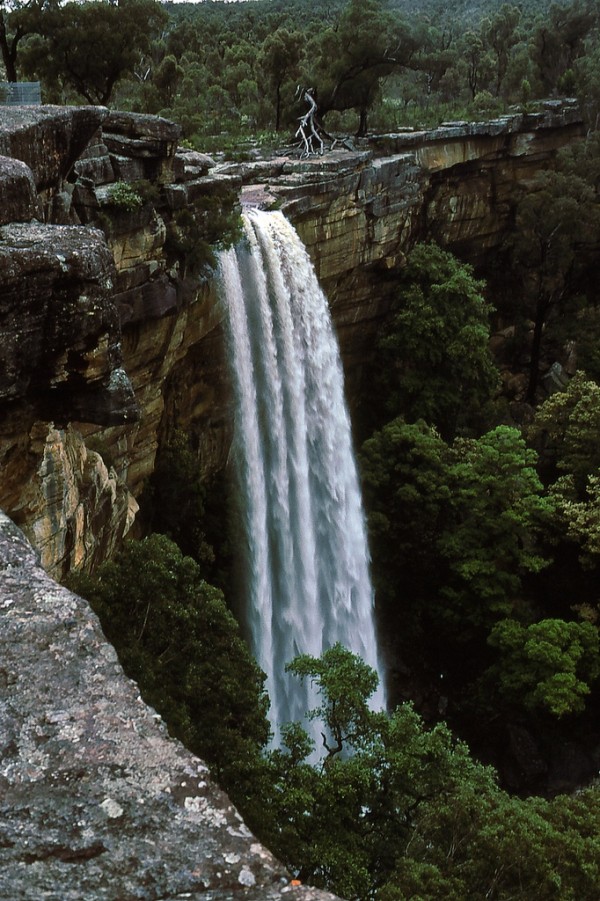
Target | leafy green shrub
(195,233)
(548,665)
(397,811)
(124,196)
(434,357)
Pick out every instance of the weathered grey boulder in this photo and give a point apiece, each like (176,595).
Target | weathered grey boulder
(18,197)
(95,164)
(141,146)
(96,801)
(59,327)
(192,164)
(49,139)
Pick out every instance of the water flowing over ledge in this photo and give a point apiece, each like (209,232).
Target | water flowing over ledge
(308,583)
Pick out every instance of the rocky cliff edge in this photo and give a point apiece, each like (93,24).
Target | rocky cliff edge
(96,801)
(109,341)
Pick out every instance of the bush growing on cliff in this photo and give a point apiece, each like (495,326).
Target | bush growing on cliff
(195,233)
(123,196)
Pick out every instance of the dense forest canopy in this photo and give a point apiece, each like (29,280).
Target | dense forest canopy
(219,67)
(479,457)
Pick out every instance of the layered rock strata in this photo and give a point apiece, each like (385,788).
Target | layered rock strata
(110,342)
(107,344)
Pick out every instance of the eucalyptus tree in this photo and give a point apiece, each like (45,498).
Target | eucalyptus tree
(500,33)
(434,358)
(347,63)
(555,226)
(90,47)
(278,62)
(18,19)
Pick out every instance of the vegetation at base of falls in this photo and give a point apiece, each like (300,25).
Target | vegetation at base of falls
(484,537)
(223,70)
(408,813)
(398,810)
(176,638)
(458,524)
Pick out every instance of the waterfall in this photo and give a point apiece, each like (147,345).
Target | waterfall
(308,583)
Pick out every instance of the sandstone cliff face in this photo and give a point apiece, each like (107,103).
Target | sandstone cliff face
(109,343)
(359,214)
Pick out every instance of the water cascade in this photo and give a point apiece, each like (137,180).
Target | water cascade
(308,583)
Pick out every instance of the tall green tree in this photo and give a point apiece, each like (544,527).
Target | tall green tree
(556,221)
(89,47)
(18,19)
(454,532)
(559,39)
(498,513)
(402,811)
(547,665)
(347,62)
(566,428)
(434,358)
(279,59)
(405,472)
(501,35)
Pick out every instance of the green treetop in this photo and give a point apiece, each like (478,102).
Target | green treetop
(434,358)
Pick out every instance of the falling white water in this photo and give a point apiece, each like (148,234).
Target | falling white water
(308,583)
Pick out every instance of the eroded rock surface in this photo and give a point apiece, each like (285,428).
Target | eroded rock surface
(49,139)
(78,361)
(18,196)
(96,801)
(59,326)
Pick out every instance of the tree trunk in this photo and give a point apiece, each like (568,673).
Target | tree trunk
(362,124)
(278,106)
(308,131)
(9,51)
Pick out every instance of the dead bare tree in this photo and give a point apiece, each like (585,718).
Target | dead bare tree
(308,130)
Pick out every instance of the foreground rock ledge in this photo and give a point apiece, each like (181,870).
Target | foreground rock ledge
(96,801)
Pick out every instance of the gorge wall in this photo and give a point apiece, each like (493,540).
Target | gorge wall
(109,341)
